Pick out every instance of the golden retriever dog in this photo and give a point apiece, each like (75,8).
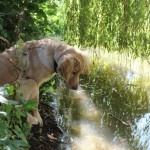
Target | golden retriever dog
(34,62)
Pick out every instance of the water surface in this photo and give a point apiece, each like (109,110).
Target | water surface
(110,111)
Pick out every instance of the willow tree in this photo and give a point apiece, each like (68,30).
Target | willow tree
(113,24)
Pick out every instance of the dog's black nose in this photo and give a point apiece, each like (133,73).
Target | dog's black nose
(75,88)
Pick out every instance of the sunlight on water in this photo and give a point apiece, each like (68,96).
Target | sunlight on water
(3,91)
(136,65)
(137,68)
(141,132)
(85,128)
(91,137)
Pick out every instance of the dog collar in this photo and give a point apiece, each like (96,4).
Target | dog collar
(55,66)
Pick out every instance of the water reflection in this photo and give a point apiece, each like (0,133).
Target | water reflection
(84,124)
(90,134)
(141,132)
(86,116)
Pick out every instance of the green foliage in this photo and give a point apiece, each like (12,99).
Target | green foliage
(14,128)
(115,25)
(28,20)
(48,88)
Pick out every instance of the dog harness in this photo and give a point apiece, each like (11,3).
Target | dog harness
(19,70)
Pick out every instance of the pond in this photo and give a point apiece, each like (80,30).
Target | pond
(110,111)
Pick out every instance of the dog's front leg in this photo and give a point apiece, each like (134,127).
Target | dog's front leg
(36,111)
(29,90)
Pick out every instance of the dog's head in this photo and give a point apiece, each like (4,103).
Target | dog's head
(71,64)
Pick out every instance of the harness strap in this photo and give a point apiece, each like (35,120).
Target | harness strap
(18,69)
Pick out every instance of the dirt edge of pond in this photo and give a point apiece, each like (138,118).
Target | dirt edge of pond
(47,137)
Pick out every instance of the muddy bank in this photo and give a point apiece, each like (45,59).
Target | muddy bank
(47,137)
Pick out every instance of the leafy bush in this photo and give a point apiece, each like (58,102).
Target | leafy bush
(28,20)
(14,128)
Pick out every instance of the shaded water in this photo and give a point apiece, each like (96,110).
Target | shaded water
(107,113)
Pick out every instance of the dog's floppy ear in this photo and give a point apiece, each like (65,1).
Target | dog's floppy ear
(86,70)
(65,67)
(86,63)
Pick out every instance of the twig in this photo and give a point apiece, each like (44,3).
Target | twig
(51,137)
(124,123)
(5,40)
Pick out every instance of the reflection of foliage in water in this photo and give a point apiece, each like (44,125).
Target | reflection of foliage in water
(142,131)
(112,92)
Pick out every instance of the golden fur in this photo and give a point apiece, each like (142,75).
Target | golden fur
(35,62)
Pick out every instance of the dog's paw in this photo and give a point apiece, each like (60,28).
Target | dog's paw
(32,120)
(38,117)
(40,121)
